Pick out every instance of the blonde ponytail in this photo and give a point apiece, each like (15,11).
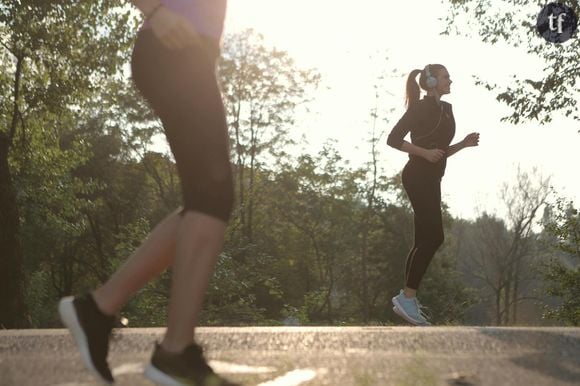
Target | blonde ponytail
(413,90)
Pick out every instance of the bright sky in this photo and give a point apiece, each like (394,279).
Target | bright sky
(348,43)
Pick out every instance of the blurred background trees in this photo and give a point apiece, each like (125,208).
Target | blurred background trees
(84,176)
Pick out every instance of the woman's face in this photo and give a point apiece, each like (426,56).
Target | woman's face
(443,82)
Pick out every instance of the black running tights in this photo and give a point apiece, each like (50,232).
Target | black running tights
(181,87)
(423,188)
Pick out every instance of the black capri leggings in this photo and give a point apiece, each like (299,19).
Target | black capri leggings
(423,188)
(182,89)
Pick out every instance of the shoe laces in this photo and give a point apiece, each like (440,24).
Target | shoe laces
(422,309)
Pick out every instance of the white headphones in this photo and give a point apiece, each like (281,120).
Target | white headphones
(431,81)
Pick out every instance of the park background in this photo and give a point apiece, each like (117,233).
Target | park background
(321,226)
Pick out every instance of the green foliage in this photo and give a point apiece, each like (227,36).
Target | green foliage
(564,283)
(40,295)
(230,298)
(562,271)
(262,89)
(48,70)
(514,22)
(563,222)
(446,296)
(310,225)
(312,240)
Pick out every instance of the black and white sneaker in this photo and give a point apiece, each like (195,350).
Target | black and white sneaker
(91,330)
(186,368)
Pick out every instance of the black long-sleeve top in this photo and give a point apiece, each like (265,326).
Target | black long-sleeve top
(431,125)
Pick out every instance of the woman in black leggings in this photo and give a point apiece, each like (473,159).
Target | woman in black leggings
(432,126)
(173,66)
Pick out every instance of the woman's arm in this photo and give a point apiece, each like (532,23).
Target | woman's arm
(471,139)
(455,148)
(431,155)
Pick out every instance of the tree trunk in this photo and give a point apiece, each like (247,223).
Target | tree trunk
(329,309)
(515,293)
(506,302)
(240,163)
(251,187)
(498,307)
(366,222)
(251,192)
(365,286)
(11,275)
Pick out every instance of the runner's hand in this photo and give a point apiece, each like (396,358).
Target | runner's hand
(471,139)
(433,155)
(173,30)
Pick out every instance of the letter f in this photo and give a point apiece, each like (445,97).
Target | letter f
(560,21)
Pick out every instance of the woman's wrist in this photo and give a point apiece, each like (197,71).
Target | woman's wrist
(421,152)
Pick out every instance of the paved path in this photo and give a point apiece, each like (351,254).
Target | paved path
(312,356)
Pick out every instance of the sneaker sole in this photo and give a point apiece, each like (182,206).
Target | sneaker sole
(401,312)
(160,378)
(69,318)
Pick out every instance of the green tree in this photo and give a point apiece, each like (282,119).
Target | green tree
(48,66)
(514,22)
(562,272)
(315,200)
(262,87)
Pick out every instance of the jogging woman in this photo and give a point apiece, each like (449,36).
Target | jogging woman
(173,66)
(432,126)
